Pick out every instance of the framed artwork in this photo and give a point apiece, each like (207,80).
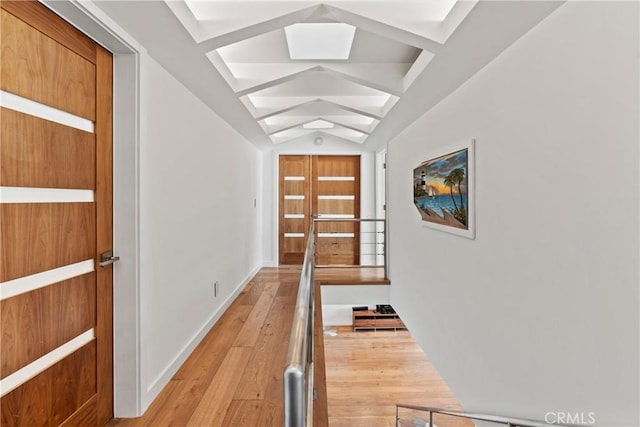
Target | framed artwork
(444,187)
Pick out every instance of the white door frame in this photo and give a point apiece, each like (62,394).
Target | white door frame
(381,195)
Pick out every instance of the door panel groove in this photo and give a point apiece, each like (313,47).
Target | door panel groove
(41,236)
(25,284)
(35,109)
(44,195)
(40,365)
(33,324)
(54,394)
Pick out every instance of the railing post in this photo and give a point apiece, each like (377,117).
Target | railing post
(430,418)
(315,237)
(384,249)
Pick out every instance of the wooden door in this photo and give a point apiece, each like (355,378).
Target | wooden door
(330,187)
(55,221)
(336,195)
(295,207)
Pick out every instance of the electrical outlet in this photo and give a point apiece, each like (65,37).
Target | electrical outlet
(216,285)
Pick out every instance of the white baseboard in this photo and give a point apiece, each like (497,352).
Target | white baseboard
(163,379)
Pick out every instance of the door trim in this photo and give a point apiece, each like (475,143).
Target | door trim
(128,376)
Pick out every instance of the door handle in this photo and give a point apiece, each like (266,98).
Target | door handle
(107,258)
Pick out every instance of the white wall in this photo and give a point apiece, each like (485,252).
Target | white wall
(338,301)
(198,224)
(540,312)
(269,184)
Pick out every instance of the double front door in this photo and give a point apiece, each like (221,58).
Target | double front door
(55,221)
(328,186)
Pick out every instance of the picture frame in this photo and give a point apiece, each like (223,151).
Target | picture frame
(444,189)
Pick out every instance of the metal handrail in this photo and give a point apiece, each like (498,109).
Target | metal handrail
(508,421)
(298,373)
(384,242)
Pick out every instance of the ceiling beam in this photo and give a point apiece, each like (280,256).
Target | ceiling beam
(396,91)
(320,100)
(285,110)
(355,110)
(278,81)
(302,15)
(386,30)
(303,122)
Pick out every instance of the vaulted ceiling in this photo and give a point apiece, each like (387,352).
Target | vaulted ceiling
(279,71)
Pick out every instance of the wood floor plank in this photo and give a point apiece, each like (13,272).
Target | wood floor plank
(213,406)
(272,413)
(368,372)
(288,288)
(251,293)
(211,351)
(249,333)
(177,402)
(254,382)
(243,413)
(190,383)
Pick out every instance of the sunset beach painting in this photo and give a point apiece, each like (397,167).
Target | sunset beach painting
(442,192)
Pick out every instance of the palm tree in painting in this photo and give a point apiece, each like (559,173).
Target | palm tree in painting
(457,176)
(450,182)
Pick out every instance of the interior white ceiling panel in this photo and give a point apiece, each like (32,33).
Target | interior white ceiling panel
(397,58)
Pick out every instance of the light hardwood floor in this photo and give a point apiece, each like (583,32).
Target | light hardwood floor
(368,372)
(234,377)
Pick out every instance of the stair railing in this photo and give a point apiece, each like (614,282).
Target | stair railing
(507,421)
(370,233)
(298,373)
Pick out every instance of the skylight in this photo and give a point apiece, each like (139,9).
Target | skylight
(318,124)
(320,41)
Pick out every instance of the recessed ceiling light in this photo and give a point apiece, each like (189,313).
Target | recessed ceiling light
(318,124)
(320,41)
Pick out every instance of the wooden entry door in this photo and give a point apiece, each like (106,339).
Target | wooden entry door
(294,207)
(328,186)
(336,195)
(55,221)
